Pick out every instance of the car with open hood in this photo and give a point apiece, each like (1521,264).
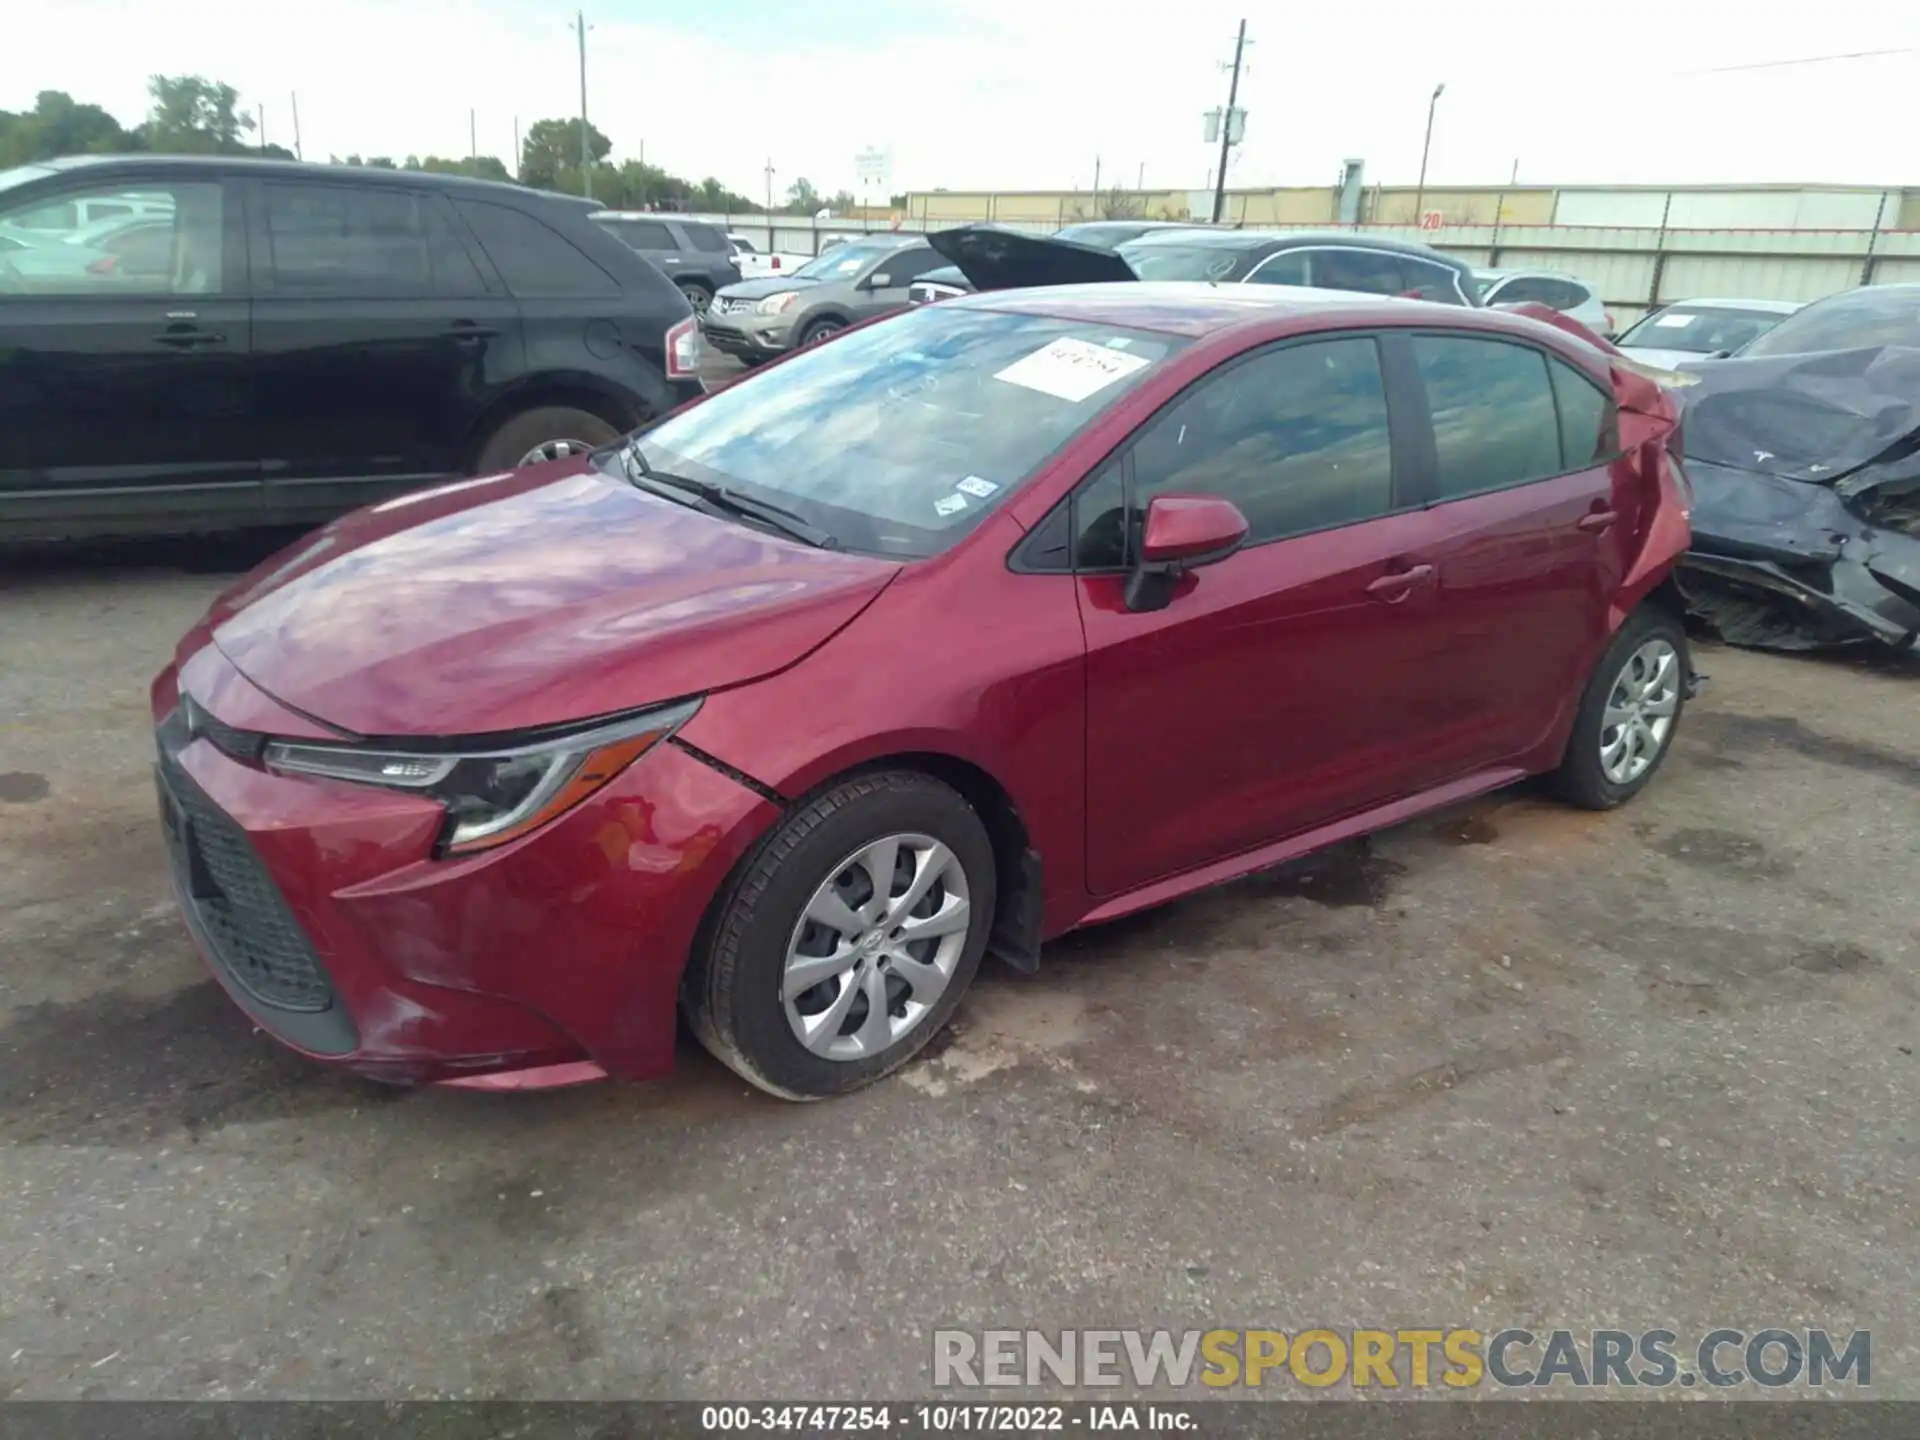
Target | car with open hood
(1006,616)
(995,259)
(951,280)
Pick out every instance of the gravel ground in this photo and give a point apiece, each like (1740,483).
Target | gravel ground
(1513,1066)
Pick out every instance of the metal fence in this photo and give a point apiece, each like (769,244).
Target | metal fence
(1633,269)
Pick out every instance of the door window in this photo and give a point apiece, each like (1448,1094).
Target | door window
(64,246)
(911,265)
(344,239)
(1589,419)
(1495,422)
(1296,437)
(705,237)
(1289,267)
(643,234)
(533,258)
(1371,272)
(1430,282)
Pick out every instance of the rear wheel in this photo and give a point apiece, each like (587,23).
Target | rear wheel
(1629,713)
(552,432)
(698,295)
(848,938)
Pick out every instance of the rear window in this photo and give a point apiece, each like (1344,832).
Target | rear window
(705,237)
(533,258)
(900,438)
(1495,421)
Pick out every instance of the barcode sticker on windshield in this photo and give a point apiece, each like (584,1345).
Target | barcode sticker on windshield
(1666,320)
(1070,369)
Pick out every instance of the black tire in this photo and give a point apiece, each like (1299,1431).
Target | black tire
(732,991)
(520,435)
(821,330)
(699,296)
(1581,779)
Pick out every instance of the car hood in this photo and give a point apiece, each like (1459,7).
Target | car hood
(529,599)
(759,289)
(1008,260)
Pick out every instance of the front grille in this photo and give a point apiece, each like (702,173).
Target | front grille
(238,909)
(727,306)
(723,333)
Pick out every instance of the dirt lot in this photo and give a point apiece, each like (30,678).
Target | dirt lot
(1519,1066)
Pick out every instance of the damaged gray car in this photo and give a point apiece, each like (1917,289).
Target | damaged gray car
(1804,455)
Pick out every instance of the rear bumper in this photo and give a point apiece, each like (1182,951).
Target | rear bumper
(318,906)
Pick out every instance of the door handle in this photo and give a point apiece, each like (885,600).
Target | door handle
(187,339)
(1595,522)
(467,330)
(1394,587)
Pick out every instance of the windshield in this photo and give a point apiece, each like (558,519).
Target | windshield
(899,438)
(1700,329)
(843,262)
(1851,321)
(1181,262)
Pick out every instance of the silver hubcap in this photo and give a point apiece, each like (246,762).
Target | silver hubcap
(698,299)
(1640,710)
(555,450)
(822,332)
(876,947)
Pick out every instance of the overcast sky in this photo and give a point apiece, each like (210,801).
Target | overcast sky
(1024,94)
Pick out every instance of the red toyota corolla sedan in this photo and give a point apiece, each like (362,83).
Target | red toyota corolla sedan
(997,618)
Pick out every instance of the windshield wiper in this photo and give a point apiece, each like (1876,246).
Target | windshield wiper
(727,499)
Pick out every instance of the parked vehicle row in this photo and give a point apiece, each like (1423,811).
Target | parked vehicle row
(1170,583)
(261,343)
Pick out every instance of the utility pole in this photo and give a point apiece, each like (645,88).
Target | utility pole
(1514,178)
(473,137)
(298,153)
(1420,192)
(1226,125)
(1096,180)
(770,195)
(1140,181)
(260,115)
(586,146)
(516,147)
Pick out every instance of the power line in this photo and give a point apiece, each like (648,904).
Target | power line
(1803,60)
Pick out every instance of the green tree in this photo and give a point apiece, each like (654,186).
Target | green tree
(802,198)
(192,115)
(552,147)
(57,125)
(480,167)
(842,202)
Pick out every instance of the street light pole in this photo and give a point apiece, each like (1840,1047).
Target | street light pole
(1226,125)
(586,148)
(1420,194)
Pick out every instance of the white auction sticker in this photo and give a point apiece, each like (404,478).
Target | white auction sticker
(1667,320)
(949,504)
(1070,369)
(975,486)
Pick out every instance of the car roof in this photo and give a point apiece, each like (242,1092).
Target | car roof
(1480,274)
(1215,239)
(1194,308)
(1771,307)
(305,170)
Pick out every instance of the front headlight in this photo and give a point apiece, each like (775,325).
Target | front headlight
(494,795)
(778,304)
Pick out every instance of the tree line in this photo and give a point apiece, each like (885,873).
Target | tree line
(191,115)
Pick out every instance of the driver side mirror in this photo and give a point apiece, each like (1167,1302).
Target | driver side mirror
(1181,533)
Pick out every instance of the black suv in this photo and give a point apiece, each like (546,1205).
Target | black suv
(696,256)
(310,338)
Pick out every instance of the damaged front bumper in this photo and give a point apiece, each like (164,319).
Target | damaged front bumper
(1785,564)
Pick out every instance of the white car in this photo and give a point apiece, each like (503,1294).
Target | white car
(1546,287)
(756,265)
(1690,330)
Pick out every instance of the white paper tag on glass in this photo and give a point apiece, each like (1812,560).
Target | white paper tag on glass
(975,486)
(1668,320)
(949,504)
(1070,369)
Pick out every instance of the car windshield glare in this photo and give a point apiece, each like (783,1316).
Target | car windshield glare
(1180,262)
(900,437)
(1856,320)
(1707,331)
(842,262)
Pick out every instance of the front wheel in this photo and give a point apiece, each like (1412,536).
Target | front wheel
(1628,714)
(820,331)
(550,432)
(848,937)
